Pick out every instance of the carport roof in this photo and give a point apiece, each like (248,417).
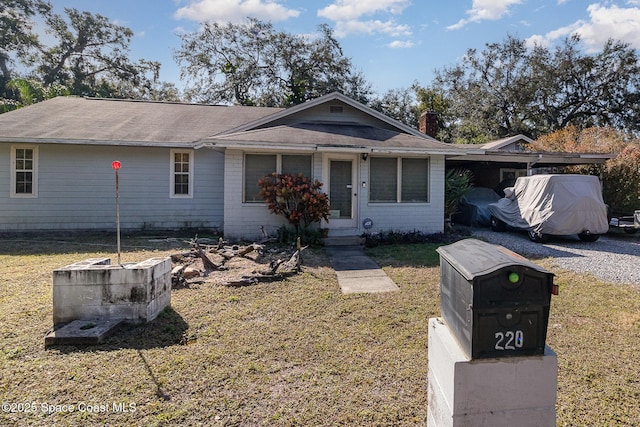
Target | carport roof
(531,159)
(497,152)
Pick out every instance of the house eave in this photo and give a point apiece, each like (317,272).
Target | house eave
(250,145)
(96,142)
(361,149)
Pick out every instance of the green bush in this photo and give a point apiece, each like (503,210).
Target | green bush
(308,236)
(621,180)
(456,183)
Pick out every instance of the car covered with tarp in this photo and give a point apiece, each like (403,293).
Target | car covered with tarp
(547,205)
(473,208)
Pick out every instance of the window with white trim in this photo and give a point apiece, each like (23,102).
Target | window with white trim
(24,171)
(398,180)
(257,166)
(511,173)
(181,173)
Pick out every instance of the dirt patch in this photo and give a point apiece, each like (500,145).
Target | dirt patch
(238,270)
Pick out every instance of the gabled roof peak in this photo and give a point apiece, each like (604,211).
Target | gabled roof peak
(325,99)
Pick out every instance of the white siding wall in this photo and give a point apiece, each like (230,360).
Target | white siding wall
(77,190)
(243,220)
(406,217)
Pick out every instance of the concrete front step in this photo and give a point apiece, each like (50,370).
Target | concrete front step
(343,241)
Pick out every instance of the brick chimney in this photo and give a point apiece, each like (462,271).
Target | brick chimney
(428,123)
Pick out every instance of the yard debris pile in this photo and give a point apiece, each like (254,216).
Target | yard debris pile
(233,265)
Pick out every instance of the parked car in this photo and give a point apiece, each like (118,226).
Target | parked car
(473,208)
(546,205)
(629,223)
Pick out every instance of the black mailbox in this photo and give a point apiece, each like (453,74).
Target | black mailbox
(494,301)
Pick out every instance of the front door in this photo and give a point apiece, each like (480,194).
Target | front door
(343,191)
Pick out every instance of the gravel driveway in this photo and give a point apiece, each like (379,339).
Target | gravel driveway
(615,257)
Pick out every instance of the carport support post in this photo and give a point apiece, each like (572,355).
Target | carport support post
(497,392)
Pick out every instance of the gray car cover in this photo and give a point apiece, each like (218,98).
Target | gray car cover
(554,204)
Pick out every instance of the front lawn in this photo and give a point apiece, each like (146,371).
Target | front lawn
(294,352)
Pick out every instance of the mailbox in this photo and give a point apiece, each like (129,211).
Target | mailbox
(494,301)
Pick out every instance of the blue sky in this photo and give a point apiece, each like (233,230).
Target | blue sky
(393,42)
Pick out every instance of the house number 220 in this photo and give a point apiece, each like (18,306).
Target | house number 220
(509,340)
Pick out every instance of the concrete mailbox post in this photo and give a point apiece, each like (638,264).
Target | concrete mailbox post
(488,361)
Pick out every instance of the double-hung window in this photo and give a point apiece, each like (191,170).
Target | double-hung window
(181,173)
(257,166)
(398,180)
(24,171)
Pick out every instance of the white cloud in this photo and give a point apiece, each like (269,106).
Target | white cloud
(401,44)
(483,10)
(347,15)
(235,10)
(344,28)
(347,10)
(550,37)
(605,22)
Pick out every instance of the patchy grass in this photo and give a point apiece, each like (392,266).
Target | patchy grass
(295,352)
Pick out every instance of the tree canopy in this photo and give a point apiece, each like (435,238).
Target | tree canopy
(502,90)
(89,56)
(253,64)
(510,88)
(16,32)
(620,175)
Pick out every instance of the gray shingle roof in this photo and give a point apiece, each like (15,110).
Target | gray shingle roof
(74,120)
(339,135)
(110,121)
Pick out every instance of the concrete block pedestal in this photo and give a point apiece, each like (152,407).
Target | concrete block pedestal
(95,289)
(509,391)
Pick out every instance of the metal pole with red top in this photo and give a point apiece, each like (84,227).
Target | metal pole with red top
(116,166)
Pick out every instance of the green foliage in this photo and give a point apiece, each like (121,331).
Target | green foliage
(32,91)
(16,32)
(308,236)
(295,197)
(510,88)
(620,175)
(399,104)
(391,237)
(456,183)
(252,64)
(91,56)
(87,57)
(621,180)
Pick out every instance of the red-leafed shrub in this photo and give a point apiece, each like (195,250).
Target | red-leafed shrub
(295,197)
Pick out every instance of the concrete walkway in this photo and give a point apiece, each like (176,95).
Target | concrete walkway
(357,273)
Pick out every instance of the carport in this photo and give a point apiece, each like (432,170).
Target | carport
(492,166)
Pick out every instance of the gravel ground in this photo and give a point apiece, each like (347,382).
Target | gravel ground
(614,257)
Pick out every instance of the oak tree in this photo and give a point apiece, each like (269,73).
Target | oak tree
(253,64)
(91,56)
